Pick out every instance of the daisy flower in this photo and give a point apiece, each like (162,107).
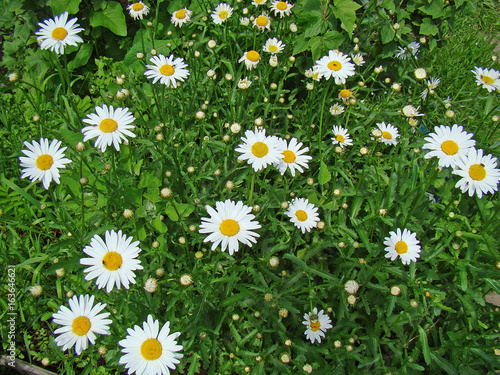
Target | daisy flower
(181,17)
(258,2)
(302,214)
(56,33)
(345,95)
(292,156)
(487,78)
(358,59)
(432,83)
(317,324)
(336,65)
(112,261)
(138,10)
(448,144)
(244,83)
(405,52)
(342,137)
(403,244)
(282,8)
(109,125)
(259,150)
(251,59)
(410,111)
(389,134)
(42,161)
(149,350)
(262,22)
(273,45)
(80,323)
(221,13)
(167,70)
(336,109)
(229,224)
(479,173)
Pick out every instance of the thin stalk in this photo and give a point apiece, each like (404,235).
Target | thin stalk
(320,135)
(250,195)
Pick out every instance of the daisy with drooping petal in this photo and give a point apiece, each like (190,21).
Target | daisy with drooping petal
(432,83)
(80,323)
(56,33)
(167,70)
(479,173)
(262,22)
(273,45)
(43,160)
(229,224)
(487,78)
(405,52)
(358,59)
(259,150)
(302,214)
(403,244)
(149,350)
(138,10)
(181,16)
(258,2)
(221,13)
(244,83)
(109,125)
(292,156)
(410,111)
(345,95)
(336,109)
(112,261)
(251,59)
(317,324)
(448,144)
(336,65)
(281,7)
(389,134)
(342,137)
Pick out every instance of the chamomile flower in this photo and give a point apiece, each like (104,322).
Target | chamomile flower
(149,350)
(109,125)
(258,2)
(302,214)
(273,45)
(358,59)
(410,111)
(281,7)
(487,78)
(411,50)
(43,160)
(244,83)
(251,59)
(81,322)
(259,150)
(345,95)
(448,144)
(336,109)
(336,65)
(342,137)
(389,134)
(479,173)
(167,70)
(221,13)
(317,324)
(403,244)
(262,22)
(55,34)
(432,83)
(138,10)
(229,224)
(181,16)
(112,260)
(292,156)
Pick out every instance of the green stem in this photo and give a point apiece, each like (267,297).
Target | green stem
(250,195)
(83,205)
(320,135)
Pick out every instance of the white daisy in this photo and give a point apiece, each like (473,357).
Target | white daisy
(389,134)
(167,70)
(317,324)
(221,13)
(336,65)
(229,224)
(302,214)
(258,2)
(448,144)
(487,78)
(342,137)
(273,45)
(405,52)
(251,59)
(112,261)
(479,173)
(262,22)
(181,16)
(81,323)
(292,156)
(281,7)
(410,111)
(149,350)
(56,33)
(138,10)
(358,59)
(42,161)
(336,109)
(403,244)
(432,83)
(345,95)
(259,150)
(109,125)
(244,83)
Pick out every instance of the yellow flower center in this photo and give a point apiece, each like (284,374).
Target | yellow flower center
(449,147)
(262,21)
(401,247)
(229,227)
(260,149)
(137,6)
(301,215)
(387,135)
(288,156)
(487,80)
(477,172)
(281,5)
(273,48)
(340,138)
(253,56)
(259,1)
(315,75)
(151,349)
(345,93)
(108,125)
(223,14)
(44,162)
(81,326)
(180,14)
(315,324)
(112,261)
(59,33)
(334,65)
(167,70)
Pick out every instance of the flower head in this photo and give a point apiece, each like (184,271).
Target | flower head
(273,45)
(221,13)
(432,83)
(56,33)
(336,109)
(389,134)
(405,52)
(317,324)
(302,214)
(262,22)
(358,59)
(487,78)
(410,111)
(244,83)
(181,16)
(403,244)
(336,65)
(281,7)
(138,10)
(251,59)
(342,137)
(167,70)
(292,156)
(259,150)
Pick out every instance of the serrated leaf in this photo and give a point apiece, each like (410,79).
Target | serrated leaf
(320,45)
(427,27)
(61,6)
(345,11)
(324,174)
(111,17)
(387,33)
(184,210)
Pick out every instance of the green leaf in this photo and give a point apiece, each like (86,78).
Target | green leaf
(425,345)
(184,210)
(82,57)
(314,23)
(434,9)
(159,225)
(345,11)
(324,174)
(427,27)
(387,33)
(320,45)
(61,6)
(444,364)
(111,17)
